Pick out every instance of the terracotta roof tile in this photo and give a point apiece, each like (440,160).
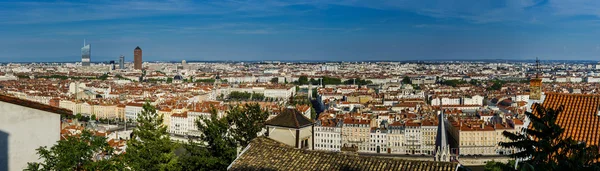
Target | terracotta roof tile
(266,154)
(579,116)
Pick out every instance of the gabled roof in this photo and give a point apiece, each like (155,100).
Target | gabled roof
(290,118)
(267,154)
(34,105)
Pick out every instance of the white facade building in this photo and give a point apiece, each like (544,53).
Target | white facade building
(132,110)
(328,136)
(378,141)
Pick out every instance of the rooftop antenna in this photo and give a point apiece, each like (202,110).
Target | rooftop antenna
(83,42)
(537,67)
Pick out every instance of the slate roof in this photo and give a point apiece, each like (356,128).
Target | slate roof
(267,154)
(579,116)
(290,118)
(34,105)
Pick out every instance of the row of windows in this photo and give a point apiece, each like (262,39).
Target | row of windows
(377,141)
(327,135)
(378,136)
(324,129)
(325,141)
(327,146)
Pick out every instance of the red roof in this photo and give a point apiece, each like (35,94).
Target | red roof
(579,116)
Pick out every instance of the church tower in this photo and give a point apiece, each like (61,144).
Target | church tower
(535,84)
(442,148)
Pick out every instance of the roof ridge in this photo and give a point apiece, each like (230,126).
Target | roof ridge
(34,105)
(295,119)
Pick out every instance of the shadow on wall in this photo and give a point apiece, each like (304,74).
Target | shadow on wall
(3,151)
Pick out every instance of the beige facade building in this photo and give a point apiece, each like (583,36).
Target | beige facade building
(356,132)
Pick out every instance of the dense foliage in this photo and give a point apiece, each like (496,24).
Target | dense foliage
(218,151)
(358,81)
(303,80)
(210,80)
(77,153)
(406,80)
(150,147)
(496,85)
(222,137)
(236,95)
(248,121)
(452,83)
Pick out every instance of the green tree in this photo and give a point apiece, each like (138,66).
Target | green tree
(150,147)
(452,83)
(218,147)
(313,113)
(247,121)
(274,80)
(474,82)
(103,77)
(498,166)
(236,95)
(313,81)
(331,81)
(169,80)
(544,147)
(78,153)
(358,81)
(302,80)
(78,116)
(496,86)
(210,80)
(93,117)
(406,80)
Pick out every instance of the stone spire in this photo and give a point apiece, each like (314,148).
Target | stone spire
(442,149)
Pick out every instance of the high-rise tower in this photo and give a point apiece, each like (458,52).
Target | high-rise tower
(535,84)
(122,62)
(137,58)
(86,52)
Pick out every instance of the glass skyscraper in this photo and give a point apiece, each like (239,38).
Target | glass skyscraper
(86,52)
(122,62)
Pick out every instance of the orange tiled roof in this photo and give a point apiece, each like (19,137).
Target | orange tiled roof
(579,116)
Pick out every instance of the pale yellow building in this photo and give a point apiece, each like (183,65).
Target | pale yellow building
(356,132)
(478,139)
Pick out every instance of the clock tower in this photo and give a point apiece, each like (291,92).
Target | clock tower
(535,84)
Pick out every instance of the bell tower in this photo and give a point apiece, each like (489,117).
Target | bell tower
(535,84)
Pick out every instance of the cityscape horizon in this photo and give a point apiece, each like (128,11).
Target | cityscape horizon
(279,85)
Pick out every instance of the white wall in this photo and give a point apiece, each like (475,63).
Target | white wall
(22,130)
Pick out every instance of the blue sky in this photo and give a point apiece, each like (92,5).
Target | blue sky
(300,30)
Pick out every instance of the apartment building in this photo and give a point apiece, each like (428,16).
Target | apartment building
(328,134)
(356,132)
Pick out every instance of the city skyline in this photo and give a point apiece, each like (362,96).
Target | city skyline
(300,30)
